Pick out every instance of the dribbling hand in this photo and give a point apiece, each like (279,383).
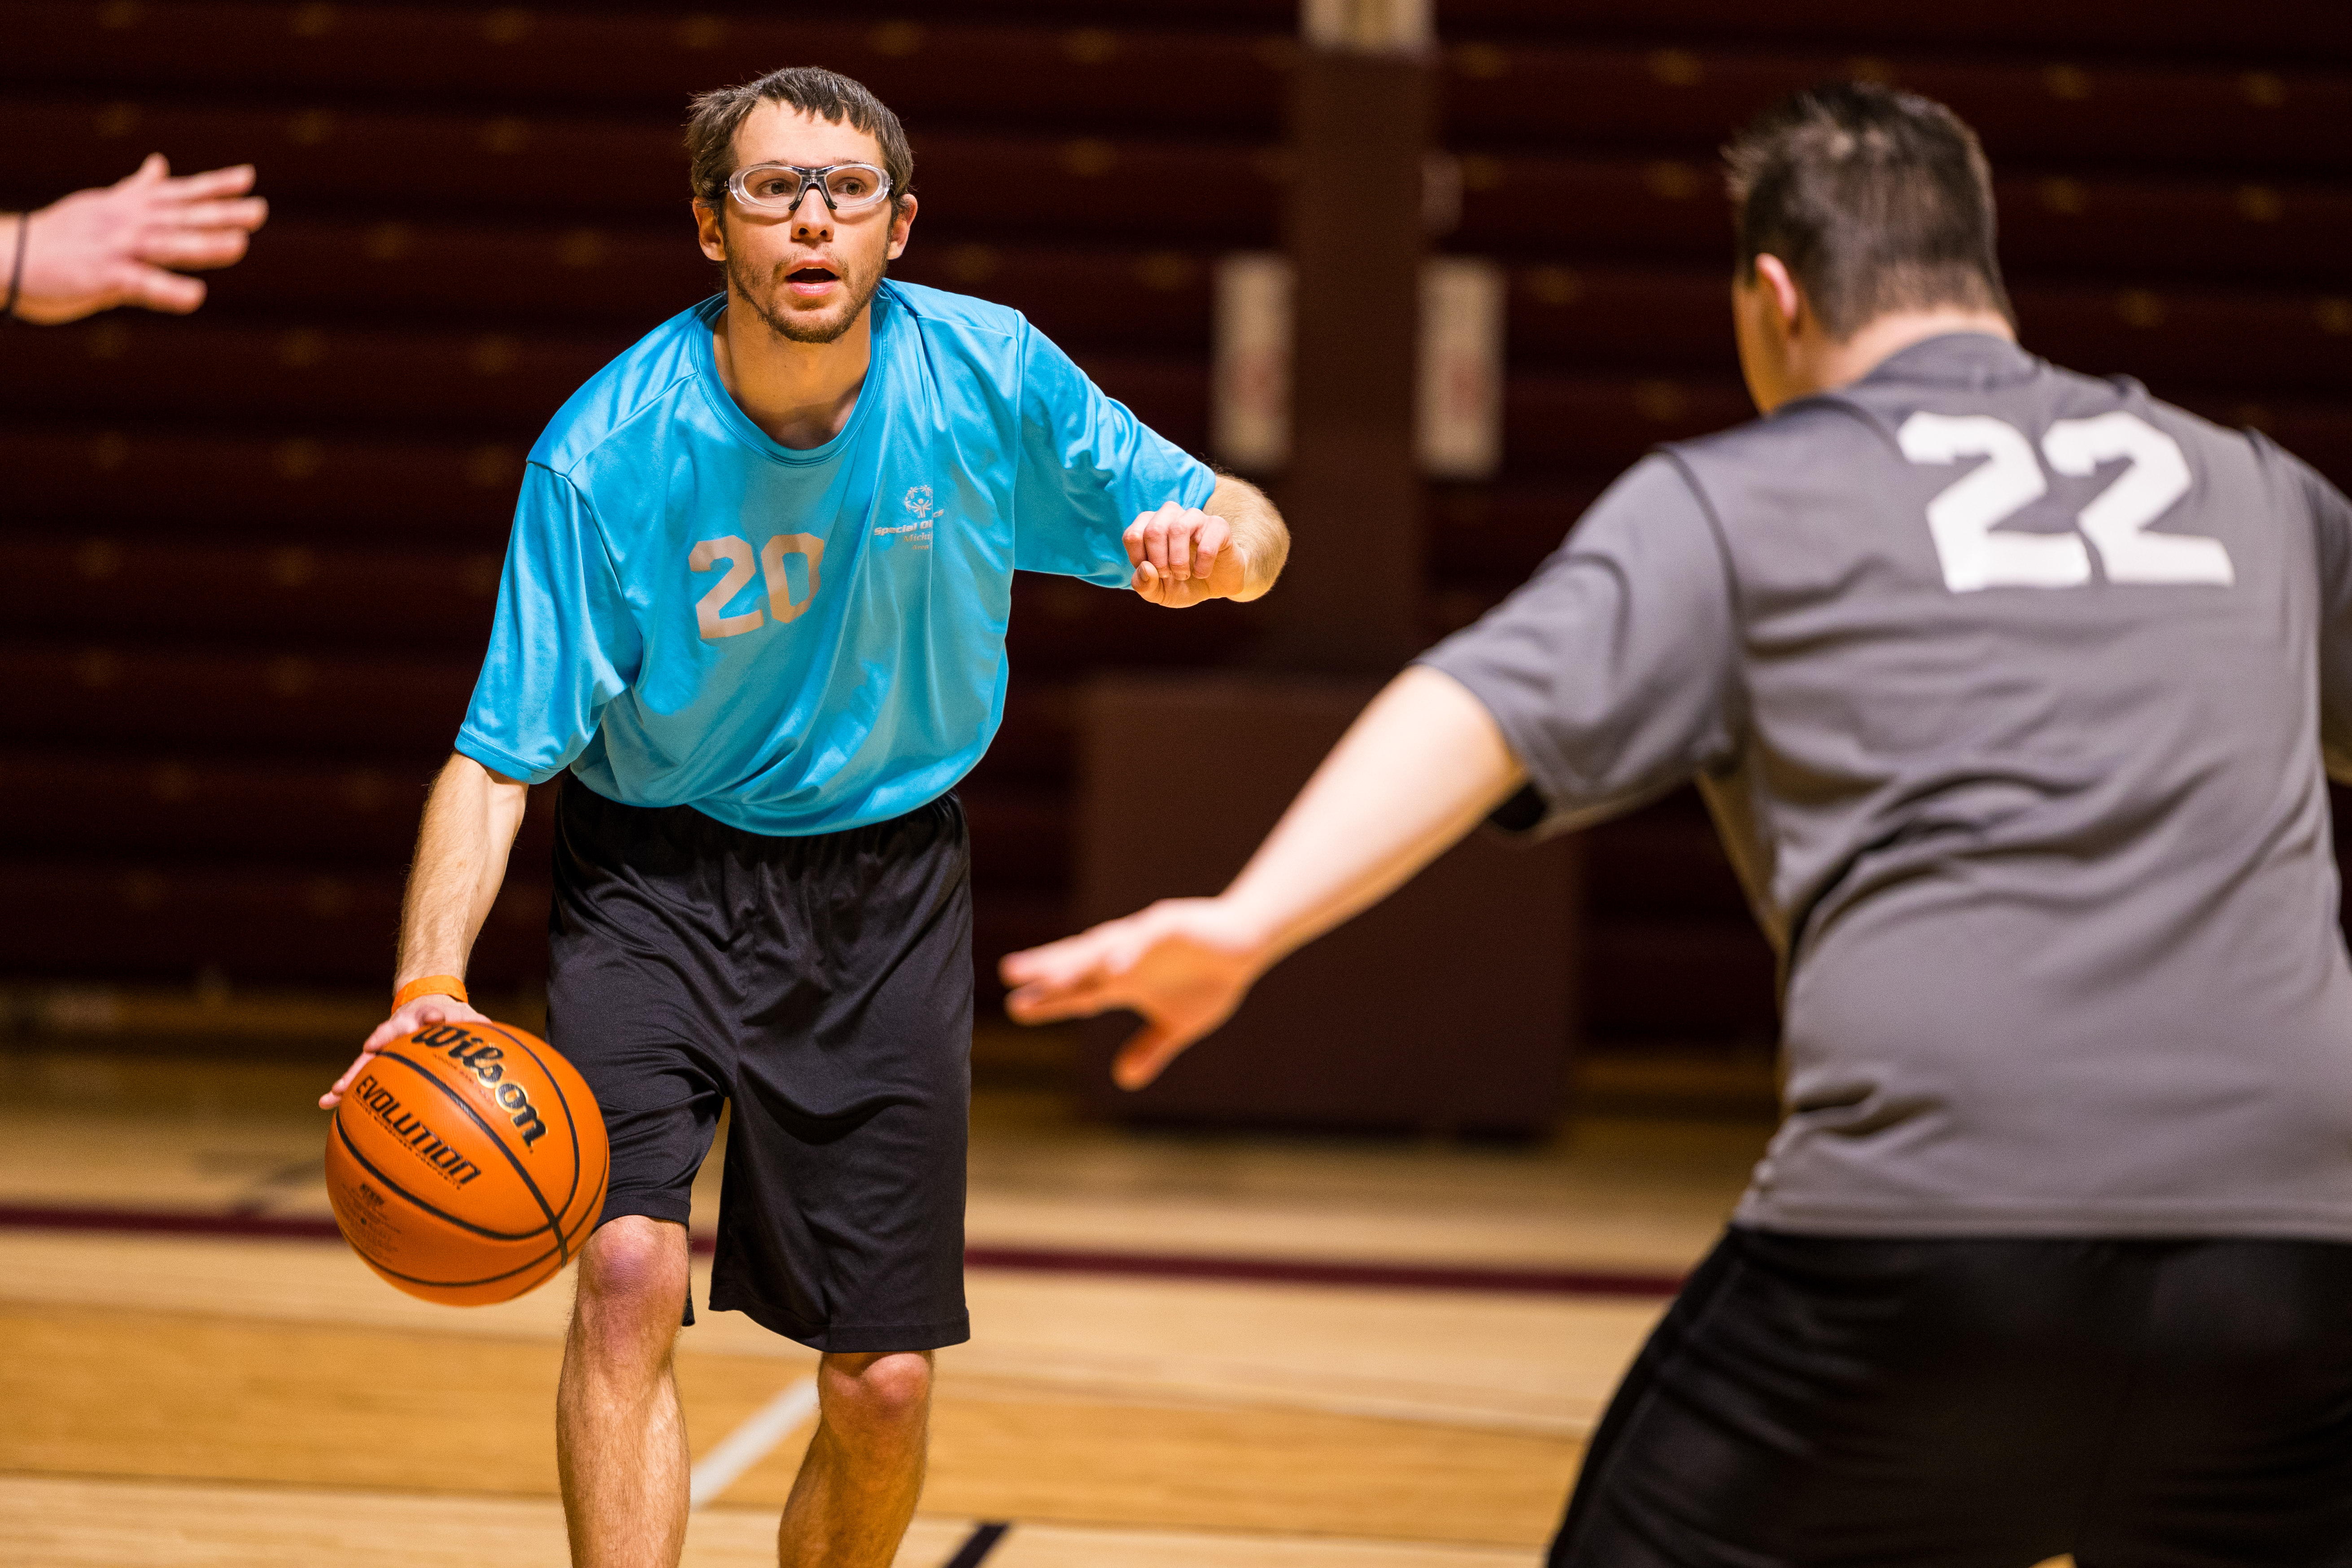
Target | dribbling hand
(1183,556)
(1183,964)
(410,1018)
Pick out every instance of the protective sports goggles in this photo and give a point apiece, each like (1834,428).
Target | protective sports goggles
(779,187)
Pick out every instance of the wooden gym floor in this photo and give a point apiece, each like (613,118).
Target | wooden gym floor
(1215,1350)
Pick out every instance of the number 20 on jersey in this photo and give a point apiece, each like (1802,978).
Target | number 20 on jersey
(710,616)
(1964,518)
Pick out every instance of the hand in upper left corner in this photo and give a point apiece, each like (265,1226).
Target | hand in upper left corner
(128,243)
(1183,556)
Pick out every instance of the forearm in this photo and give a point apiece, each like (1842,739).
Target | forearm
(1417,770)
(470,822)
(1258,531)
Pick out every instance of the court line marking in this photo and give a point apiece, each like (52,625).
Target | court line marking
(752,1441)
(978,1545)
(1236,1393)
(1505,1280)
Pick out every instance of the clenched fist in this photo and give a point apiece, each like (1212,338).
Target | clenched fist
(1183,556)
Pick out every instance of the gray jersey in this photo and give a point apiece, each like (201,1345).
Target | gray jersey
(2009,691)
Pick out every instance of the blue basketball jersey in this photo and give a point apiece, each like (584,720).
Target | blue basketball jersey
(799,642)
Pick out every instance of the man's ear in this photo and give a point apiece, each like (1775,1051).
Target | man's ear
(710,229)
(1772,275)
(902,222)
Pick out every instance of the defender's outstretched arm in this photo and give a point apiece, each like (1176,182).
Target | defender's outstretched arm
(1419,769)
(470,822)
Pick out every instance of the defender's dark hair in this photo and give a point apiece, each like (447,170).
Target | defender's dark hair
(1877,201)
(821,94)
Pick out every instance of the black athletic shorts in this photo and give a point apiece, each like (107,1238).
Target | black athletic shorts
(822,986)
(1838,1403)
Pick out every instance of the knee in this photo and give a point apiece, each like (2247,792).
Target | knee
(632,1274)
(877,1398)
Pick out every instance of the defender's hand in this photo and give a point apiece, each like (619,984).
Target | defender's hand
(112,245)
(1183,556)
(1183,964)
(407,1021)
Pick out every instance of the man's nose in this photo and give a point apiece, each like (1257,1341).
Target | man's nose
(811,219)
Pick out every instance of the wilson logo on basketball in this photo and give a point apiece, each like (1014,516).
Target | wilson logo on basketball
(410,1129)
(470,1050)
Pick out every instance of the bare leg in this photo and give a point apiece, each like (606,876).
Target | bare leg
(620,1438)
(857,1487)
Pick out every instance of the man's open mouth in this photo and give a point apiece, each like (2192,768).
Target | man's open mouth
(812,275)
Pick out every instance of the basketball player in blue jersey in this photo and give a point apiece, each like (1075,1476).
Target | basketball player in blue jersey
(2014,693)
(755,603)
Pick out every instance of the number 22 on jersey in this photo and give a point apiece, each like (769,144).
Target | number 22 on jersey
(1964,518)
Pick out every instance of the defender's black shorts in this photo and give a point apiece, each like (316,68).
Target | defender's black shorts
(822,984)
(1984,1403)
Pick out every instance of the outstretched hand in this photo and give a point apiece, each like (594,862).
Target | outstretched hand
(1183,556)
(115,245)
(407,1020)
(1183,964)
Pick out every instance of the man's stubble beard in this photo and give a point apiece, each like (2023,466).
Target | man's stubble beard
(861,294)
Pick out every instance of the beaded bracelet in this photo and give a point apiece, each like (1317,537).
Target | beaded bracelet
(16,272)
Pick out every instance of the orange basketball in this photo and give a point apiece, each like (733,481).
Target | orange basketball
(467,1165)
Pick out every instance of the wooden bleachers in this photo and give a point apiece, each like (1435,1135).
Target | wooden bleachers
(1006,71)
(2176,116)
(2256,32)
(245,559)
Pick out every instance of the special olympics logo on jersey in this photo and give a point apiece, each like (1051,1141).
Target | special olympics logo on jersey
(924,510)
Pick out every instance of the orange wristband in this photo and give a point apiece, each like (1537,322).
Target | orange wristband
(429,986)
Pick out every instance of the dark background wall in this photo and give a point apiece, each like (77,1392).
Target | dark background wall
(246,559)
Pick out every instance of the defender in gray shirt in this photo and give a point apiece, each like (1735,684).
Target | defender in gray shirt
(2013,692)
(2008,690)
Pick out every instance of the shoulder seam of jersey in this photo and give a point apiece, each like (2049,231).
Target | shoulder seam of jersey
(909,304)
(1020,413)
(596,520)
(1715,535)
(651,401)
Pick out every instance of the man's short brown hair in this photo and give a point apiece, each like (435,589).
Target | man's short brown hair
(1877,200)
(821,94)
